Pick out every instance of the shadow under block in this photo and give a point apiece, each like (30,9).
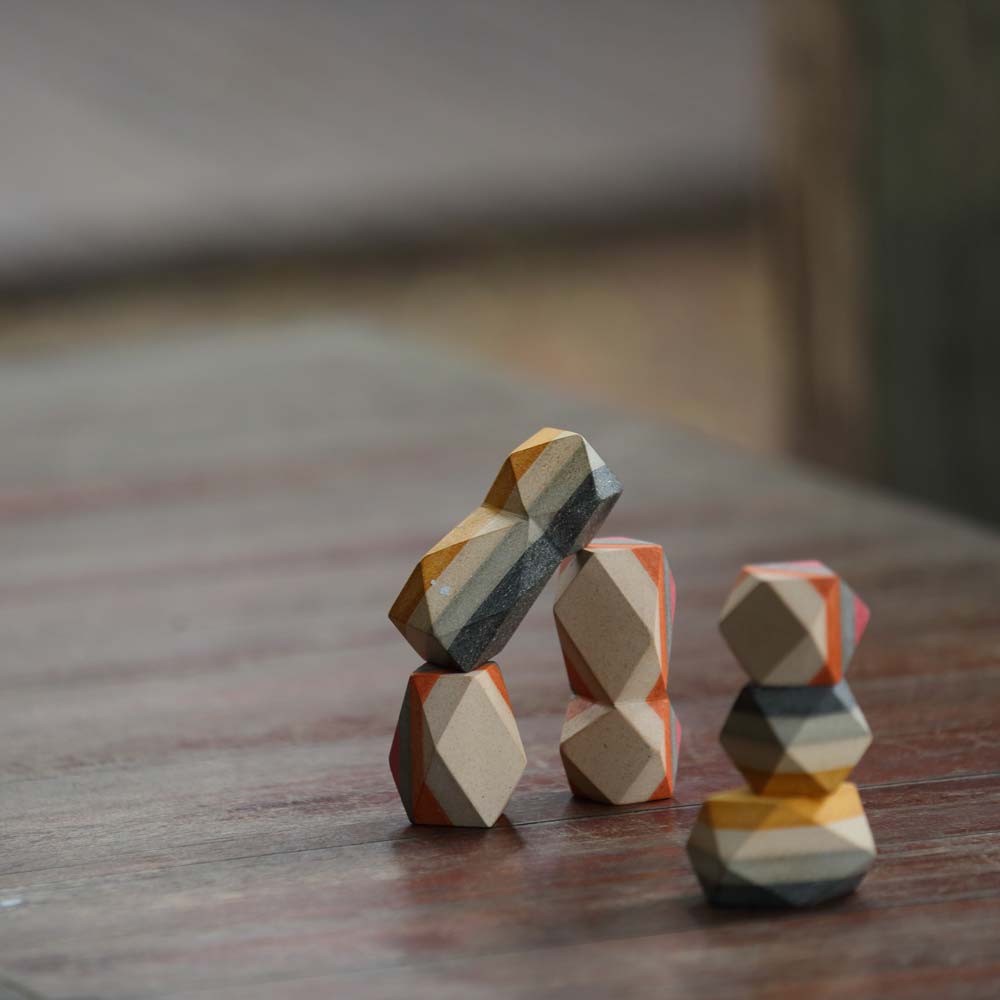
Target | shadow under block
(755,850)
(795,740)
(467,595)
(793,623)
(456,755)
(614,615)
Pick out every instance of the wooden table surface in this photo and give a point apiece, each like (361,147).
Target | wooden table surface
(199,539)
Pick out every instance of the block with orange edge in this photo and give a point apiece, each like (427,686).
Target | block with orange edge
(614,615)
(795,740)
(793,623)
(753,850)
(456,754)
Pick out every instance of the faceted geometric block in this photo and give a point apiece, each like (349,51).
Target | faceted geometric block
(750,850)
(795,740)
(456,755)
(614,622)
(614,615)
(467,595)
(793,623)
(621,753)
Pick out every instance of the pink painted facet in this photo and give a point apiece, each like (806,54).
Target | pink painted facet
(861,616)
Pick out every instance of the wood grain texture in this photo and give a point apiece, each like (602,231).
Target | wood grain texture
(199,539)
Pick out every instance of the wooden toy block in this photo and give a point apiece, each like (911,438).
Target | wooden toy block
(614,615)
(793,623)
(622,753)
(467,595)
(752,850)
(795,740)
(456,755)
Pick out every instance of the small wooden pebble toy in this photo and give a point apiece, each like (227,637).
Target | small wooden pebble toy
(456,754)
(798,834)
(614,615)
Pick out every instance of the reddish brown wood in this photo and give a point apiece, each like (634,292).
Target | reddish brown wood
(198,544)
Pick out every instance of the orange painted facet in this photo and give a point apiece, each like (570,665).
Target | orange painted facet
(571,657)
(408,599)
(422,683)
(521,461)
(426,809)
(742,809)
(503,486)
(494,673)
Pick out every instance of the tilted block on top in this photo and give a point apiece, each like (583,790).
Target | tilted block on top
(467,595)
(456,755)
(795,740)
(775,851)
(793,623)
(614,615)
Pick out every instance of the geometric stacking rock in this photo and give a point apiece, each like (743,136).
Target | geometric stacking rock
(798,835)
(750,850)
(614,615)
(795,740)
(468,593)
(456,754)
(620,754)
(793,623)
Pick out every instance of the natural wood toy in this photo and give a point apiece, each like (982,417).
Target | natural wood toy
(614,614)
(773,851)
(793,623)
(798,835)
(795,740)
(457,754)
(467,595)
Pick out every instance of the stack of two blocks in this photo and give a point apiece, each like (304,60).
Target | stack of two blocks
(457,755)
(614,615)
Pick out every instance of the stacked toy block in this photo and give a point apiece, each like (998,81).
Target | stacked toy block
(798,834)
(456,755)
(614,616)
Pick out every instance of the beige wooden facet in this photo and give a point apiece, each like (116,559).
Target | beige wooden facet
(481,749)
(610,609)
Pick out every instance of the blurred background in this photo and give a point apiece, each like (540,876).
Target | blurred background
(774,222)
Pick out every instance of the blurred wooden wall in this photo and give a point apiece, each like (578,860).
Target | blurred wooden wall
(888,125)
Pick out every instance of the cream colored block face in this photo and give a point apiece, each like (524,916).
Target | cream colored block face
(777,628)
(612,611)
(621,750)
(479,747)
